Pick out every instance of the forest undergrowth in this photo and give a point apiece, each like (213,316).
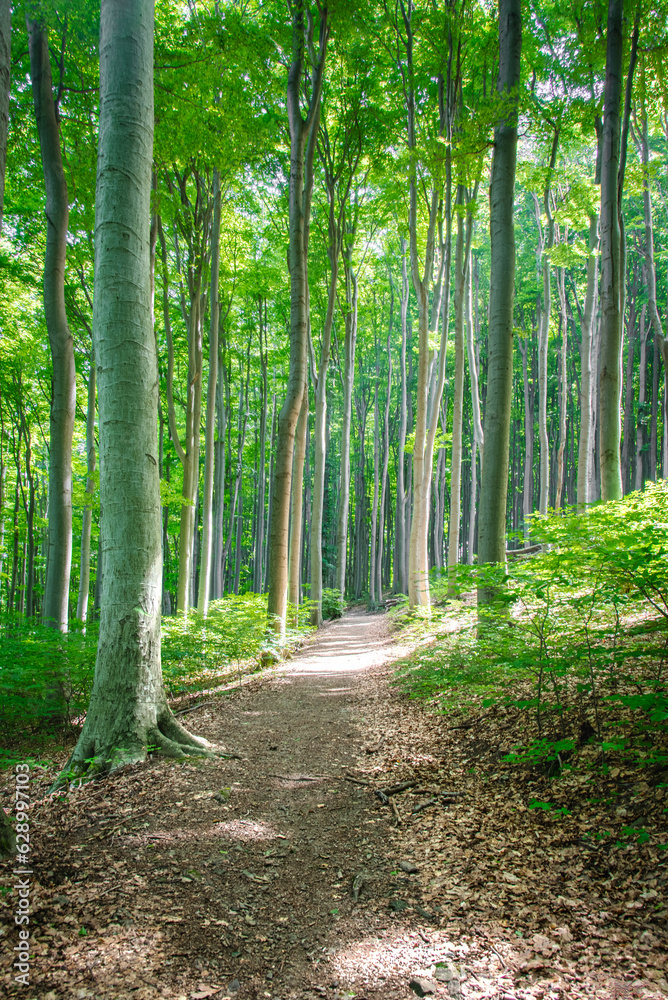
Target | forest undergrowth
(46,676)
(568,668)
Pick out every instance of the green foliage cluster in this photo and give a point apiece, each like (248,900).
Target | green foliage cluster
(577,641)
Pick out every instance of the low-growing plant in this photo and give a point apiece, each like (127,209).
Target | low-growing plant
(576,637)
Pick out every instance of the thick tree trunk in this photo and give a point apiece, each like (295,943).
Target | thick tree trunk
(207,490)
(494,487)
(63,382)
(84,562)
(128,709)
(303,134)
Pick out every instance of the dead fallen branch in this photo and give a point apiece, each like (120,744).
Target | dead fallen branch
(403,786)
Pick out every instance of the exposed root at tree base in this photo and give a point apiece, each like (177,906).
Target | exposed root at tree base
(94,758)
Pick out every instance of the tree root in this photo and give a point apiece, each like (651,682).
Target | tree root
(94,758)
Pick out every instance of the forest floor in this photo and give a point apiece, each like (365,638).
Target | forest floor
(282,874)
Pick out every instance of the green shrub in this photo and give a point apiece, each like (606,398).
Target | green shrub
(333,603)
(578,637)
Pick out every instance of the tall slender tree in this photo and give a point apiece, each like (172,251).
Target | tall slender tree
(303,135)
(63,377)
(494,485)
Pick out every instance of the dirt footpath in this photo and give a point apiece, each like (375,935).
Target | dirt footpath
(223,877)
(279,873)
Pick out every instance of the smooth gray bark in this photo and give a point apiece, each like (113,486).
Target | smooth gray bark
(612,253)
(5,78)
(494,485)
(346,420)
(458,395)
(63,379)
(128,708)
(563,388)
(386,453)
(587,320)
(303,134)
(295,562)
(642,399)
(400,561)
(87,519)
(652,308)
(207,490)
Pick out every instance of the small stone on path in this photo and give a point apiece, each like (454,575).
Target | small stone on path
(423,987)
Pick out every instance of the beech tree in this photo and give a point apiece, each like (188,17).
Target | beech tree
(303,136)
(63,385)
(494,485)
(128,709)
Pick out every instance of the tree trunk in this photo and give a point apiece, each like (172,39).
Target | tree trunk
(303,137)
(294,576)
(63,380)
(478,437)
(346,419)
(271,481)
(258,566)
(628,448)
(128,708)
(335,235)
(84,562)
(458,398)
(220,456)
(587,320)
(546,244)
(639,478)
(563,384)
(494,486)
(373,547)
(386,454)
(612,253)
(207,490)
(5,77)
(400,566)
(650,277)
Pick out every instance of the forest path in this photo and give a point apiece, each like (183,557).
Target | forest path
(235,877)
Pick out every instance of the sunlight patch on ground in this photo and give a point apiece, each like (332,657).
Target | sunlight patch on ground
(236,829)
(487,971)
(243,829)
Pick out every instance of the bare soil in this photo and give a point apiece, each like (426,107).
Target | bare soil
(281,874)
